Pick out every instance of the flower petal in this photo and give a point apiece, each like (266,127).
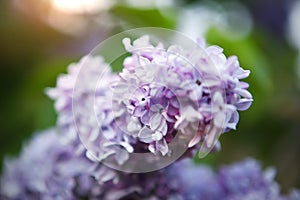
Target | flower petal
(155,121)
(162,146)
(145,135)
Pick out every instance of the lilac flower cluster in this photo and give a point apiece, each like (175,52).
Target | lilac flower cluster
(193,92)
(162,93)
(48,169)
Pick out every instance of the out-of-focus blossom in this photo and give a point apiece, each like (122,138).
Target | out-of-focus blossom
(232,18)
(176,182)
(293,33)
(49,169)
(194,92)
(245,180)
(149,186)
(65,98)
(194,181)
(293,25)
(84,107)
(293,195)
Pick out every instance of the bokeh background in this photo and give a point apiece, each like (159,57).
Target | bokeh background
(39,38)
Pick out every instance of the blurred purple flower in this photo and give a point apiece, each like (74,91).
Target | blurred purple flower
(194,181)
(244,180)
(184,179)
(49,169)
(77,96)
(247,180)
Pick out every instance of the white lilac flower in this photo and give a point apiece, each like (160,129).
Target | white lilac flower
(63,94)
(49,169)
(163,92)
(82,100)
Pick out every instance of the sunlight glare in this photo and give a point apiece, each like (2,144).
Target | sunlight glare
(81,6)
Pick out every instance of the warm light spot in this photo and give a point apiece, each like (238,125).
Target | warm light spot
(66,23)
(81,6)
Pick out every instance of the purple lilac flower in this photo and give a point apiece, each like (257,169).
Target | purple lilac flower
(247,180)
(293,195)
(161,94)
(49,169)
(149,186)
(195,181)
(193,92)
(184,179)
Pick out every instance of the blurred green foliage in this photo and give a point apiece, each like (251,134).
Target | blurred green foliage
(145,17)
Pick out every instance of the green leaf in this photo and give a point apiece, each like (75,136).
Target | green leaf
(150,17)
